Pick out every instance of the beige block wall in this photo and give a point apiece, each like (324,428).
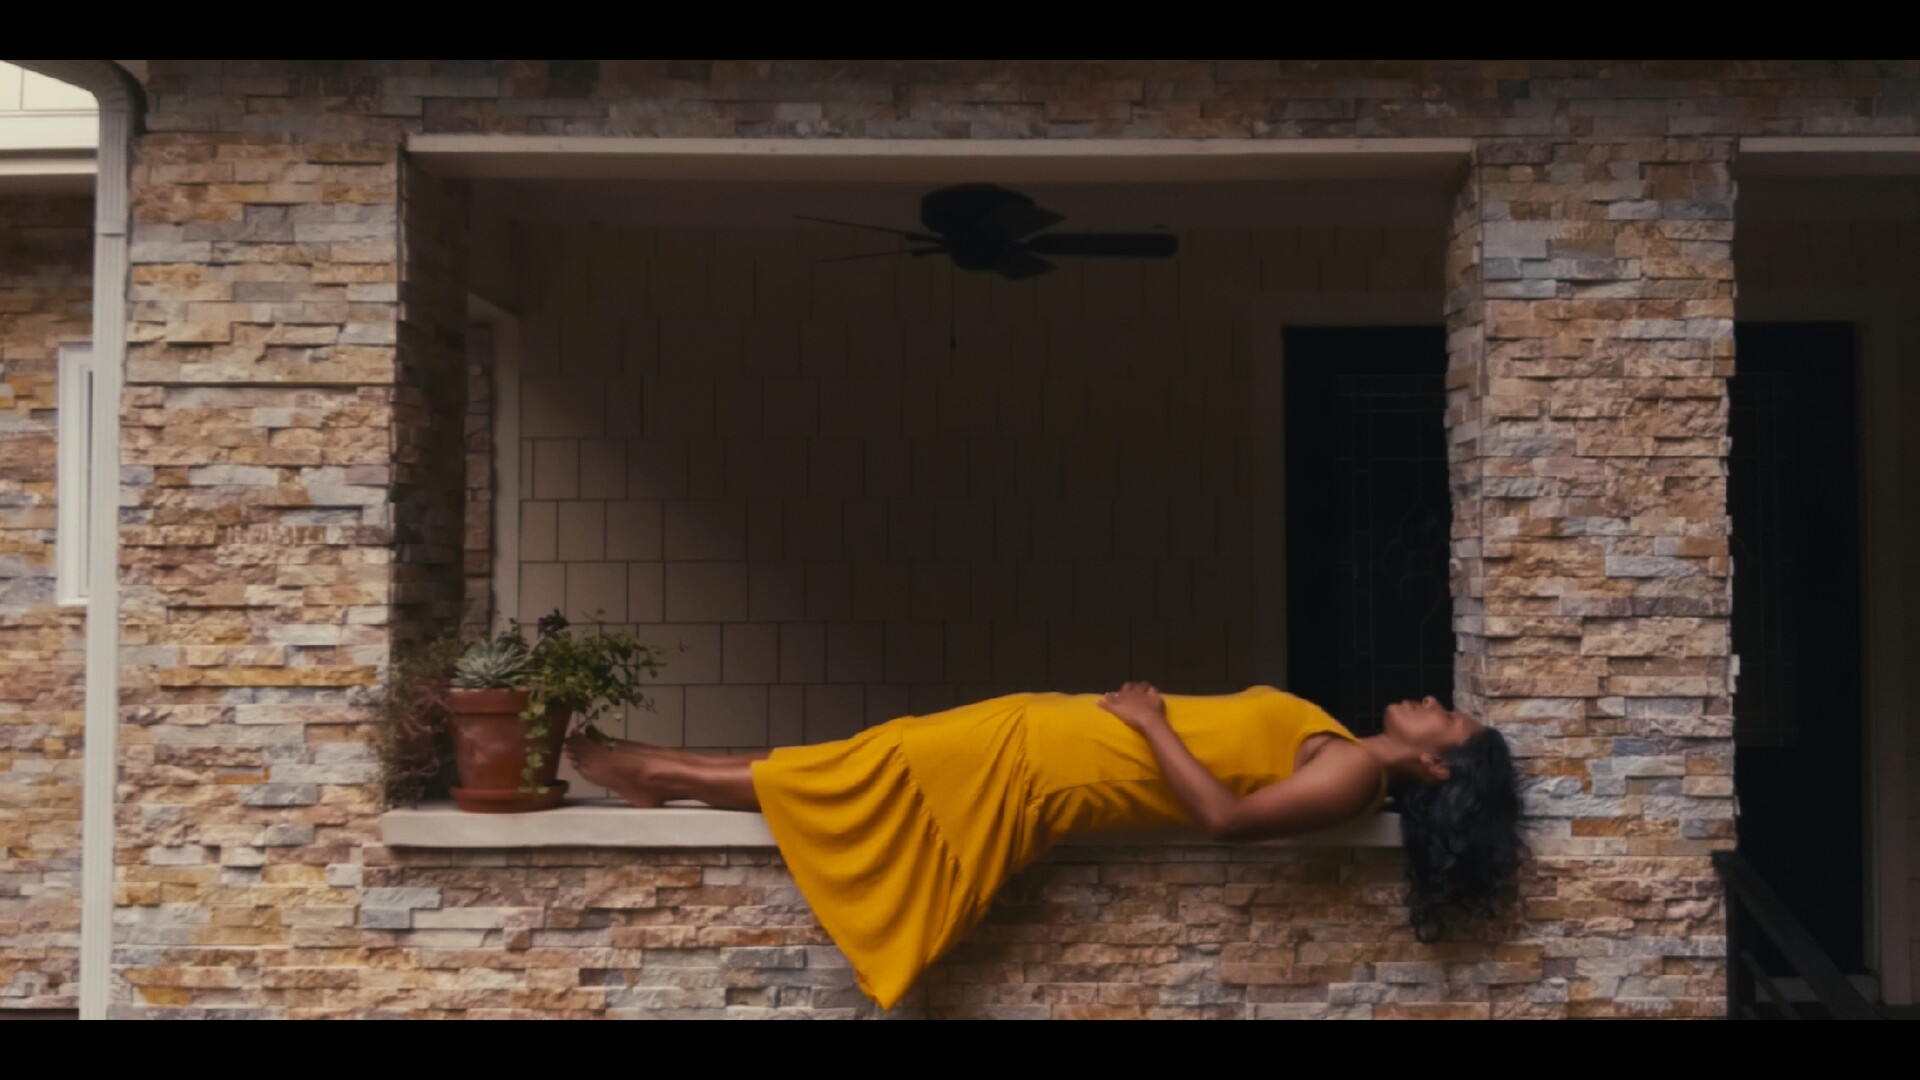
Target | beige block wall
(861,490)
(1863,263)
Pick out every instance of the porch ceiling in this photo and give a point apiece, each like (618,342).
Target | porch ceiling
(738,204)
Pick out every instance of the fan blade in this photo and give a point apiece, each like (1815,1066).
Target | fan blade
(1118,245)
(1020,265)
(1014,220)
(915,252)
(916,237)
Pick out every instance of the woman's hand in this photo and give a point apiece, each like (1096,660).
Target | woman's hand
(1137,704)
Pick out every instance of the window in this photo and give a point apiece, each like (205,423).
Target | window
(73,486)
(1369,612)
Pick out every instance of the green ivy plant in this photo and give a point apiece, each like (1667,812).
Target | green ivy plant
(587,673)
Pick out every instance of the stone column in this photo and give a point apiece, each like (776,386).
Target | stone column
(1591,319)
(430,408)
(262,497)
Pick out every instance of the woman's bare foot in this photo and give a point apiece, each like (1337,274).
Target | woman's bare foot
(624,768)
(673,753)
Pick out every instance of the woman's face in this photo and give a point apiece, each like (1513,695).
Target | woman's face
(1429,726)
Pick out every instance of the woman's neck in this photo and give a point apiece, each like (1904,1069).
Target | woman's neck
(1396,757)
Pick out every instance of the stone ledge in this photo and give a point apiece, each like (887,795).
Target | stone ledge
(605,823)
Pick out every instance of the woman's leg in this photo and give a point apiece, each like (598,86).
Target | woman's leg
(649,776)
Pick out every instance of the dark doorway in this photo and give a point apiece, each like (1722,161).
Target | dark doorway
(1369,515)
(1792,491)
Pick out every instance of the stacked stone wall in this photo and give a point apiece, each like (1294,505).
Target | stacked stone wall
(46,265)
(278,544)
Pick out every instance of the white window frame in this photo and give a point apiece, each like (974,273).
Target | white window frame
(73,467)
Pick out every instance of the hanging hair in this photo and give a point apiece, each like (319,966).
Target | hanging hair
(1461,834)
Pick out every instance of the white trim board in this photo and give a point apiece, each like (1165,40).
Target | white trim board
(47,175)
(49,132)
(73,457)
(1861,155)
(48,165)
(790,160)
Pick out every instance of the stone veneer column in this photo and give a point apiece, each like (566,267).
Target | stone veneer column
(268,449)
(1591,321)
(430,409)
(476,619)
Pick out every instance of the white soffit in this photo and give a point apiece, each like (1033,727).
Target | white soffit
(48,134)
(827,160)
(44,116)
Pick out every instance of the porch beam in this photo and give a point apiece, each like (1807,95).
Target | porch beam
(1851,155)
(1091,161)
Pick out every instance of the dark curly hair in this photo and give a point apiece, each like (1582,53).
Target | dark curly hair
(1462,834)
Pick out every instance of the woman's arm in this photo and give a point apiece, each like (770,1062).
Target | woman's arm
(1337,785)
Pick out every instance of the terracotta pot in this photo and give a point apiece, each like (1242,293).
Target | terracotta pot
(490,751)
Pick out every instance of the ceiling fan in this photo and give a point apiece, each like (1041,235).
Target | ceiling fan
(989,228)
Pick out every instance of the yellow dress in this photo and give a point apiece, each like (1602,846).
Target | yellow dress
(900,836)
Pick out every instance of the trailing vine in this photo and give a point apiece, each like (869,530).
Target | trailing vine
(411,733)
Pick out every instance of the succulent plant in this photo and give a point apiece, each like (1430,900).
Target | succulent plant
(497,664)
(584,676)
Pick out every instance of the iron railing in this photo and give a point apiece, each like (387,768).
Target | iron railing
(1755,914)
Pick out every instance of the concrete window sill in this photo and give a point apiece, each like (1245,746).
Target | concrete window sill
(609,824)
